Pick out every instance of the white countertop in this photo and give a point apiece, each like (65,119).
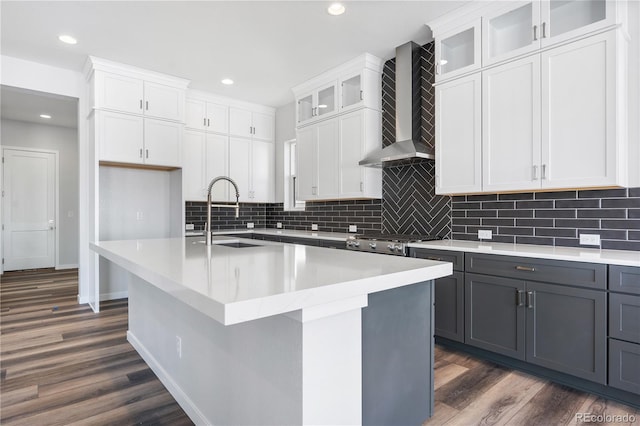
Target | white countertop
(317,235)
(234,285)
(575,254)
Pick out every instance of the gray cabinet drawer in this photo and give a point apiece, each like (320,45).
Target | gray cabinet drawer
(591,275)
(298,240)
(624,278)
(332,244)
(624,317)
(624,365)
(455,257)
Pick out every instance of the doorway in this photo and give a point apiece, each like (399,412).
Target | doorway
(29,208)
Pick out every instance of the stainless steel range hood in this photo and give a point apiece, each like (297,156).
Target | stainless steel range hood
(408,144)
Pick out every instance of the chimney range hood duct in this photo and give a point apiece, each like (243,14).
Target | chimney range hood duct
(408,144)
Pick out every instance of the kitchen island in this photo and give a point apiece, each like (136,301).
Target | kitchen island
(246,332)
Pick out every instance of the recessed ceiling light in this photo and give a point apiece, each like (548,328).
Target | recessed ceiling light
(336,9)
(227,81)
(47,116)
(67,39)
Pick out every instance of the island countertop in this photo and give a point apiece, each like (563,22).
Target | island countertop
(234,285)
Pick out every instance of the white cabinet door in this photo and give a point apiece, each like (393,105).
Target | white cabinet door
(562,20)
(162,143)
(196,114)
(511,126)
(217,164)
(262,171)
(240,166)
(163,101)
(327,160)
(193,166)
(118,92)
(458,51)
(306,163)
(352,131)
(240,123)
(579,116)
(262,126)
(217,118)
(120,137)
(459,136)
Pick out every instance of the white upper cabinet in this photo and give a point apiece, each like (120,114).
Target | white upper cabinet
(318,161)
(459,136)
(251,166)
(207,116)
(162,101)
(319,103)
(516,28)
(458,50)
(250,124)
(193,166)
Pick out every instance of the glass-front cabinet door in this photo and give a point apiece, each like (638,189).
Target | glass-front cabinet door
(319,103)
(566,19)
(458,51)
(510,31)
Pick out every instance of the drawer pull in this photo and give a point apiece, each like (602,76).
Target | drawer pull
(525,268)
(439,259)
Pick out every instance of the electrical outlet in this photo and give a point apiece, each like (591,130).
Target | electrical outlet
(279,225)
(139,215)
(189,227)
(590,239)
(314,226)
(250,225)
(353,228)
(484,234)
(179,346)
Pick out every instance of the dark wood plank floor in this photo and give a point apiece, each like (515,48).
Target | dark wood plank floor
(62,364)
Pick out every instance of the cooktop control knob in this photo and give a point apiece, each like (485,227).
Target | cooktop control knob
(372,245)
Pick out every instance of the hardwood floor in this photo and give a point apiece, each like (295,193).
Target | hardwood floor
(62,364)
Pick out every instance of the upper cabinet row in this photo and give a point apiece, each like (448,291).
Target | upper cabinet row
(547,109)
(507,30)
(217,117)
(353,85)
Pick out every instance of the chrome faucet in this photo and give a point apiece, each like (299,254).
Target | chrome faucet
(209,233)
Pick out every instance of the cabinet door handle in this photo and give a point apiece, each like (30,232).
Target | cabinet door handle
(535,172)
(204,122)
(208,122)
(361,96)
(140,152)
(530,300)
(140,103)
(147,105)
(544,171)
(438,68)
(361,187)
(519,298)
(544,30)
(147,153)
(535,33)
(525,268)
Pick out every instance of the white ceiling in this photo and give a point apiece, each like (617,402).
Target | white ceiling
(27,105)
(267,47)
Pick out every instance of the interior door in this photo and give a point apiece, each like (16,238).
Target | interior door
(29,209)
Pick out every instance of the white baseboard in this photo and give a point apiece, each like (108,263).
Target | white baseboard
(114,295)
(181,398)
(68,266)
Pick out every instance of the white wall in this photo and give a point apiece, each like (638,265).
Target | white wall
(65,141)
(285,130)
(634,93)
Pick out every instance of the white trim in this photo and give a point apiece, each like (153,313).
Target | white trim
(114,295)
(67,266)
(180,396)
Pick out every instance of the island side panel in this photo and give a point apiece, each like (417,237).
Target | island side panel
(249,373)
(397,356)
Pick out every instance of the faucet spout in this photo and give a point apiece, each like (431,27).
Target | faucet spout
(209,233)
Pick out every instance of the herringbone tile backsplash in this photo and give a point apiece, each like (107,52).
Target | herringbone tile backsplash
(409,203)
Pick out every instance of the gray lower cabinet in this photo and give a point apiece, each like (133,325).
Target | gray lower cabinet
(624,328)
(449,294)
(556,326)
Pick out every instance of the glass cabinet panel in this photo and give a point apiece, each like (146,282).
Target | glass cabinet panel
(305,108)
(326,100)
(351,91)
(511,31)
(568,15)
(457,51)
